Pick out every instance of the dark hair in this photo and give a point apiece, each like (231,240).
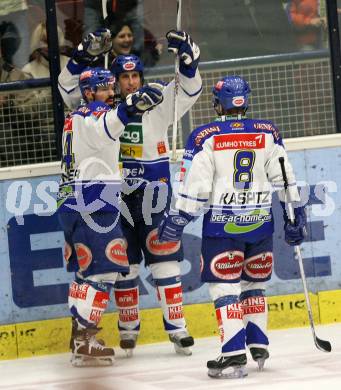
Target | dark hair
(115,25)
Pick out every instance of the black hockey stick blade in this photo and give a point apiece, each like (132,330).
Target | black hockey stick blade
(323,345)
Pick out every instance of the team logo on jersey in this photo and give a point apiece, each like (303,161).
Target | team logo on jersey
(227,265)
(236,125)
(116,251)
(132,134)
(131,150)
(156,247)
(246,223)
(129,66)
(161,148)
(84,256)
(238,101)
(239,141)
(259,266)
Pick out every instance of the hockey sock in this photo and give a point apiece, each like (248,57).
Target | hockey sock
(169,294)
(230,323)
(127,303)
(255,317)
(88,301)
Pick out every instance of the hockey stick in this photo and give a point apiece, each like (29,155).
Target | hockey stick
(105,15)
(322,345)
(176,85)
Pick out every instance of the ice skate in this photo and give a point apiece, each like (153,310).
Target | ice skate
(182,341)
(259,355)
(227,367)
(88,351)
(128,343)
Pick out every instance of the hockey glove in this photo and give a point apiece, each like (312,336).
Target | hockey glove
(145,99)
(93,46)
(172,226)
(180,43)
(295,233)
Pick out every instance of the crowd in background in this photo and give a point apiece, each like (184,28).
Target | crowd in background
(229,29)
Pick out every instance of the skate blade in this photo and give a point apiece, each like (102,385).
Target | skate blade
(129,352)
(236,373)
(260,363)
(185,351)
(86,361)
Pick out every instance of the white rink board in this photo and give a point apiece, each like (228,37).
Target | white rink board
(294,364)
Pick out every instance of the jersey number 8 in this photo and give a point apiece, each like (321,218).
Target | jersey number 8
(243,164)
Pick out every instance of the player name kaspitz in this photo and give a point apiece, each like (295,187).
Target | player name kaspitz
(246,197)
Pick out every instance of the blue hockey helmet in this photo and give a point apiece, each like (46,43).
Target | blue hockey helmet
(231,92)
(127,63)
(92,78)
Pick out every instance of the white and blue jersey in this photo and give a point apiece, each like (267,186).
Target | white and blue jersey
(144,142)
(230,169)
(91,178)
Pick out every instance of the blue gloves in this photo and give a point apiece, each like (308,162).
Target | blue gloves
(181,44)
(172,226)
(93,46)
(295,233)
(144,99)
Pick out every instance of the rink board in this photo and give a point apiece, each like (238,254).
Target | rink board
(34,283)
(52,336)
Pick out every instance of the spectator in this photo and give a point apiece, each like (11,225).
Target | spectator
(123,39)
(308,24)
(13,17)
(38,67)
(126,27)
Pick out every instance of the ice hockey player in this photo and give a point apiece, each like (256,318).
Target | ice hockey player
(88,205)
(144,151)
(230,167)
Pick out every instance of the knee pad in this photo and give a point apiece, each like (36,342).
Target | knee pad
(219,290)
(165,269)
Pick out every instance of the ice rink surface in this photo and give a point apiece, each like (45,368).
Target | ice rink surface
(294,364)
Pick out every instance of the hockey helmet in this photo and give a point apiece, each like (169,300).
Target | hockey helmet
(231,92)
(92,78)
(127,63)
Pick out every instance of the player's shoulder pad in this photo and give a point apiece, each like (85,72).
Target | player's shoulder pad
(198,137)
(203,133)
(93,108)
(267,127)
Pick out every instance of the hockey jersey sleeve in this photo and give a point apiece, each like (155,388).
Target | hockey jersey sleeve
(275,150)
(68,83)
(198,175)
(188,93)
